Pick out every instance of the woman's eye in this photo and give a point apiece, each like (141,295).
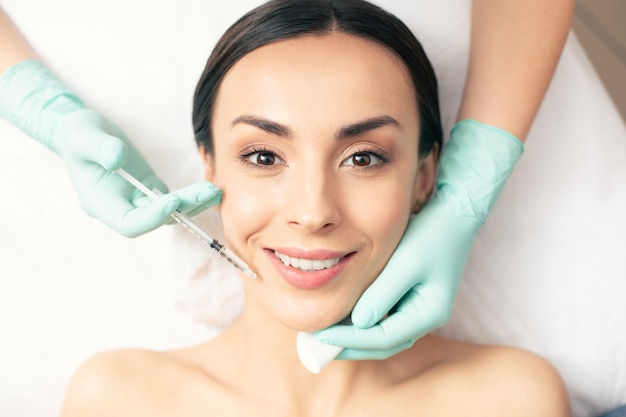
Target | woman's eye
(364,159)
(265,158)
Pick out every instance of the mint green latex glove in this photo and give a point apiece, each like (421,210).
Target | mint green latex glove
(418,286)
(92,147)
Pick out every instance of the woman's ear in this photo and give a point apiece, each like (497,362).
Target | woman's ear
(208,164)
(425,181)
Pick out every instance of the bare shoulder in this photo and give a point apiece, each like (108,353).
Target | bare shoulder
(531,383)
(486,381)
(125,382)
(511,381)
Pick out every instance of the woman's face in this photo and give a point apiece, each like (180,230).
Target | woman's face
(316,145)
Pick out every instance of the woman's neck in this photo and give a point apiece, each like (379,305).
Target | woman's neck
(258,355)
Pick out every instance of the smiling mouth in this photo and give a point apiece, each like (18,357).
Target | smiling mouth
(306,265)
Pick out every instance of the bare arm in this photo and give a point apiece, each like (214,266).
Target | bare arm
(515,47)
(12,44)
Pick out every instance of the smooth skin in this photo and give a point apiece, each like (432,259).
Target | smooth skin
(252,368)
(12,44)
(515,47)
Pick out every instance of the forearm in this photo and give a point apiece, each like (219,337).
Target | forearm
(13,46)
(515,47)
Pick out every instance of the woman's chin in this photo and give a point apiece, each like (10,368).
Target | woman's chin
(307,312)
(312,323)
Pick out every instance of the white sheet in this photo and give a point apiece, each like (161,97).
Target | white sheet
(548,272)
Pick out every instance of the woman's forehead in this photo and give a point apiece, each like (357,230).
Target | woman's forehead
(317,75)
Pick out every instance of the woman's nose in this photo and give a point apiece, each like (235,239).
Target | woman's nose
(313,203)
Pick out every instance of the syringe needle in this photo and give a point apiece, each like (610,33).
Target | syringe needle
(213,243)
(188,224)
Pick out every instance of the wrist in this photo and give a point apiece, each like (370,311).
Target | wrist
(475,164)
(478,127)
(33,99)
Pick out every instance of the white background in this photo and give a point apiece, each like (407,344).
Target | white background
(548,272)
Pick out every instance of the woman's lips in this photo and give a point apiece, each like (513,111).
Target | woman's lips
(308,269)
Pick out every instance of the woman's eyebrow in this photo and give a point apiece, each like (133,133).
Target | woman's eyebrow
(349,131)
(365,126)
(266,125)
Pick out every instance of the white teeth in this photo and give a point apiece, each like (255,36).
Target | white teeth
(307,264)
(318,264)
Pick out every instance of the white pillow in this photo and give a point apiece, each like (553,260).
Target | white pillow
(547,272)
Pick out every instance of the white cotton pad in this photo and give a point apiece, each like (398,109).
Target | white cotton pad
(315,355)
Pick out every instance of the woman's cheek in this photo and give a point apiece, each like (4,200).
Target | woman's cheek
(243,213)
(385,218)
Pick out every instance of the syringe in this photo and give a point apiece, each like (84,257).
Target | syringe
(188,224)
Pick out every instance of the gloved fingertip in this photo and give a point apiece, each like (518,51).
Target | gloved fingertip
(114,156)
(320,336)
(172,201)
(363,318)
(208,193)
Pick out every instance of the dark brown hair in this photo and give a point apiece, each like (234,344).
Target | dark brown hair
(283,19)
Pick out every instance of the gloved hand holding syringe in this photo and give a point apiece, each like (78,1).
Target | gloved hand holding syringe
(188,224)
